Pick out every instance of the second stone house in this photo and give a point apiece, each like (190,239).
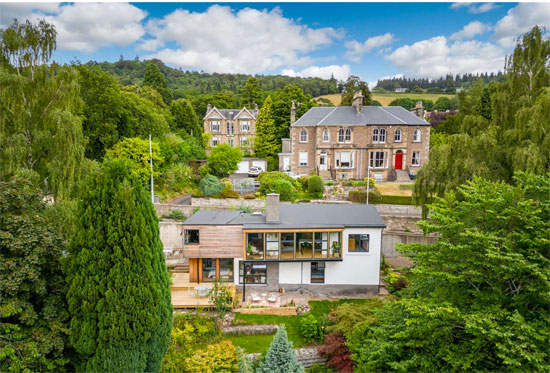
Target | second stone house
(236,127)
(344,142)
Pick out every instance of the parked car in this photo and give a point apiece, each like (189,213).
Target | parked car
(293,175)
(254,171)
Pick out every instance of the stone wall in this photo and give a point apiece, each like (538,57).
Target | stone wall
(277,311)
(166,208)
(228,203)
(391,239)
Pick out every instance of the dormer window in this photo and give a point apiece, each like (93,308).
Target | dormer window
(325,135)
(303,135)
(417,136)
(214,125)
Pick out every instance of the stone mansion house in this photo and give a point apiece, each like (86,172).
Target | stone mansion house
(236,127)
(343,142)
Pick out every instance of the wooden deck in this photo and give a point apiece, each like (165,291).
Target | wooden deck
(184,295)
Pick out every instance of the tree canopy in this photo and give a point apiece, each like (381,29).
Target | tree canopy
(154,78)
(266,143)
(354,84)
(224,160)
(251,93)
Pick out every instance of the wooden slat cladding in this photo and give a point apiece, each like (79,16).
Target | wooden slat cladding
(216,241)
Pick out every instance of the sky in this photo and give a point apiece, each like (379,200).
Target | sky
(371,40)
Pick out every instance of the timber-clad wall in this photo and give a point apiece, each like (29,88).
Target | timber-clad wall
(216,241)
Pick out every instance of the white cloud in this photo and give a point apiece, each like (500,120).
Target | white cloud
(340,72)
(245,41)
(356,49)
(521,19)
(470,30)
(438,56)
(83,26)
(475,8)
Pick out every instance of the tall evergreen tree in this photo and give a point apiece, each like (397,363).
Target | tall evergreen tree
(266,143)
(118,285)
(185,118)
(251,93)
(354,84)
(33,310)
(282,103)
(154,78)
(281,357)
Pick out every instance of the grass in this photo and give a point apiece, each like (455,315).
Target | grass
(387,97)
(260,343)
(394,189)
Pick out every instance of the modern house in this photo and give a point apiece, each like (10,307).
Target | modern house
(236,127)
(345,141)
(322,249)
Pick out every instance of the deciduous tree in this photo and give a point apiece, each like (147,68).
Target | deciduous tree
(224,160)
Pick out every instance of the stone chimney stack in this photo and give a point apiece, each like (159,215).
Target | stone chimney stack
(419,110)
(272,208)
(358,101)
(255,106)
(293,113)
(208,108)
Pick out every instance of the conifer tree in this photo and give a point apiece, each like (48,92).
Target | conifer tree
(266,143)
(118,285)
(154,78)
(185,118)
(251,93)
(280,356)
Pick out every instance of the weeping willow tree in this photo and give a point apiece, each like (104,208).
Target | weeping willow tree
(504,127)
(40,130)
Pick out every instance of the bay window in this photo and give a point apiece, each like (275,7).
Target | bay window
(344,159)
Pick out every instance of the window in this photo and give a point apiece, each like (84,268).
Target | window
(216,141)
(214,126)
(256,273)
(226,269)
(321,245)
(317,272)
(334,245)
(287,245)
(191,236)
(304,245)
(230,129)
(231,142)
(245,125)
(345,159)
(416,158)
(303,135)
(358,243)
(382,137)
(325,135)
(208,270)
(377,159)
(303,158)
(243,140)
(272,245)
(417,135)
(397,137)
(254,246)
(348,135)
(341,135)
(375,135)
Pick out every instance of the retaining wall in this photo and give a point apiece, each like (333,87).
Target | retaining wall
(277,311)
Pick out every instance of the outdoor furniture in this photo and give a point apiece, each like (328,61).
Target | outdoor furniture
(202,290)
(255,297)
(272,298)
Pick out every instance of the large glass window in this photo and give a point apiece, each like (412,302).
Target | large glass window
(191,236)
(256,273)
(304,245)
(272,245)
(208,270)
(377,159)
(226,270)
(416,158)
(317,272)
(254,246)
(287,245)
(321,244)
(358,243)
(335,245)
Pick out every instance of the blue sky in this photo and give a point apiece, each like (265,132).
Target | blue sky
(372,40)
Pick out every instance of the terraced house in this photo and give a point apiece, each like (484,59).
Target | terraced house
(236,127)
(323,249)
(343,142)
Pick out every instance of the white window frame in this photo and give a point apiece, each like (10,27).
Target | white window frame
(301,157)
(375,132)
(216,141)
(231,142)
(374,159)
(382,136)
(341,135)
(415,159)
(230,128)
(326,135)
(302,132)
(347,135)
(417,135)
(215,125)
(397,135)
(244,125)
(338,157)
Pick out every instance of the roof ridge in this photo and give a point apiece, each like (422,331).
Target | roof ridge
(325,117)
(385,111)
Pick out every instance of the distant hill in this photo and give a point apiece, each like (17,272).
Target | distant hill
(188,83)
(444,84)
(383,97)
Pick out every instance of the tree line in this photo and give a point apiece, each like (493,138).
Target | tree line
(449,83)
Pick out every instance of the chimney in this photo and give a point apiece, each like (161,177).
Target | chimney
(255,106)
(358,101)
(293,113)
(208,108)
(419,109)
(272,208)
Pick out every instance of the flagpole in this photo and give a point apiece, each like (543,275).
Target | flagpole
(368,182)
(151,162)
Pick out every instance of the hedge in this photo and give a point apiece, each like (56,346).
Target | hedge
(397,200)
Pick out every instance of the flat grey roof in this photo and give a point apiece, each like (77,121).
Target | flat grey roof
(306,215)
(370,115)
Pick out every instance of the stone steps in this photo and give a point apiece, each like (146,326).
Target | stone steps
(402,176)
(181,268)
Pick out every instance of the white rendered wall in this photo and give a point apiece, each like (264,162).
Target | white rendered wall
(291,273)
(236,270)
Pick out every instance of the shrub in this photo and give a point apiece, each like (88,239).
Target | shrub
(310,327)
(245,365)
(280,357)
(227,191)
(284,188)
(319,368)
(315,184)
(304,180)
(347,316)
(397,200)
(329,183)
(360,196)
(370,181)
(220,297)
(176,178)
(175,214)
(210,185)
(219,357)
(224,160)
(337,353)
(203,170)
(277,182)
(249,196)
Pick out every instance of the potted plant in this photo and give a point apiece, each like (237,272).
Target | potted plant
(336,248)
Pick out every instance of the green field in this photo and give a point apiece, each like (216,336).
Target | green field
(386,98)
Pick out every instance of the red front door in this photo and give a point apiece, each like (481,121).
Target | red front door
(399,161)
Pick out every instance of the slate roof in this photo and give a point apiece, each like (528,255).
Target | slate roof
(348,116)
(310,215)
(230,114)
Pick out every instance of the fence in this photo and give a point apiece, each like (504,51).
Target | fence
(246,186)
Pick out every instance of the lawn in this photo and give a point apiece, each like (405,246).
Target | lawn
(260,343)
(395,189)
(387,97)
